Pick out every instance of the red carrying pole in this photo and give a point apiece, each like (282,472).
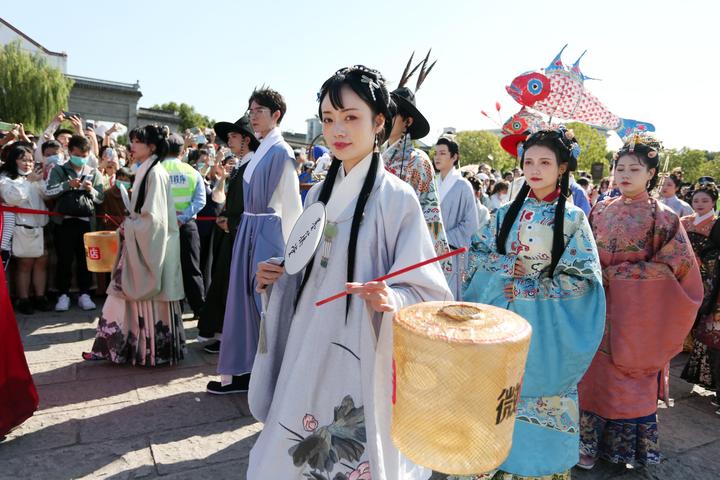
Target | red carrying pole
(398,272)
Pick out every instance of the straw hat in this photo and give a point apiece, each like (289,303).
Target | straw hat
(457,374)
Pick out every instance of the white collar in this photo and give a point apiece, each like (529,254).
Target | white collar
(699,219)
(347,188)
(444,186)
(273,137)
(246,158)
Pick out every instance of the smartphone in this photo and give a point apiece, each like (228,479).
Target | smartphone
(6,126)
(68,115)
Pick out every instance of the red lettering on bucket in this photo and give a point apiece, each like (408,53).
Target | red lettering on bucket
(94,253)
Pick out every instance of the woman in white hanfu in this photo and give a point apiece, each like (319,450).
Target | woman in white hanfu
(141,321)
(457,204)
(321,381)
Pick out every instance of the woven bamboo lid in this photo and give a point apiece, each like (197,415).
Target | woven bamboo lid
(458,371)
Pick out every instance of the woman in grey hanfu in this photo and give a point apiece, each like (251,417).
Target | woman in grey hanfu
(141,321)
(322,382)
(457,204)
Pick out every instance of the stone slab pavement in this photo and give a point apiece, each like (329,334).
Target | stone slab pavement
(98,420)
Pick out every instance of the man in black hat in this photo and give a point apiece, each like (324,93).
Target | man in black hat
(241,140)
(411,164)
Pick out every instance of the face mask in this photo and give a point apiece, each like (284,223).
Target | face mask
(124,183)
(78,161)
(24,174)
(201,167)
(53,159)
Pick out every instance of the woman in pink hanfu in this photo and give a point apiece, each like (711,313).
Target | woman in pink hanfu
(653,289)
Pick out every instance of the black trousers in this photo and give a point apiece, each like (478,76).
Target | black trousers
(70,246)
(190,262)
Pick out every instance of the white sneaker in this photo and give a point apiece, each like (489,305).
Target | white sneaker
(85,303)
(63,303)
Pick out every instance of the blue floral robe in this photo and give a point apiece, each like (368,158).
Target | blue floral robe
(567,314)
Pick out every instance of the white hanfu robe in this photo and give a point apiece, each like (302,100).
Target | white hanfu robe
(322,385)
(460,217)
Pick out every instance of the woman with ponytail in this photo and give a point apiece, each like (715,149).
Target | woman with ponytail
(320,381)
(654,289)
(141,321)
(537,258)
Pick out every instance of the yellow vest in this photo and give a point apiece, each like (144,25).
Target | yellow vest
(183,180)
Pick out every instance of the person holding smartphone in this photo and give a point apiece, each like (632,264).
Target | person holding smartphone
(77,188)
(21,185)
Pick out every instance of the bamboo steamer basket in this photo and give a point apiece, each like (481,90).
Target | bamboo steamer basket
(458,370)
(101,249)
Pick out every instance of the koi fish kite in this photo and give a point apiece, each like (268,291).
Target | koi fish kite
(559,92)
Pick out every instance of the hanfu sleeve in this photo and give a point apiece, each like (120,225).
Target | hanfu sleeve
(488,271)
(423,182)
(652,304)
(403,225)
(468,224)
(145,244)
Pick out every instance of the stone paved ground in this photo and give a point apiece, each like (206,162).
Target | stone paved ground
(104,421)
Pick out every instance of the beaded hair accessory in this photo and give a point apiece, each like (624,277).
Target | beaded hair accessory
(566,138)
(373,78)
(647,141)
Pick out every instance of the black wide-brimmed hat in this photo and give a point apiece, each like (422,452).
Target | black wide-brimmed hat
(404,98)
(242,125)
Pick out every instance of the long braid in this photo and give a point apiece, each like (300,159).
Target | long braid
(510,217)
(558,245)
(357,218)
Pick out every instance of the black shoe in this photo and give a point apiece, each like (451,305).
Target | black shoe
(213,348)
(42,304)
(24,306)
(239,385)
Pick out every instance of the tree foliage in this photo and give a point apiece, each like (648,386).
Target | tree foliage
(189,118)
(694,163)
(32,92)
(481,146)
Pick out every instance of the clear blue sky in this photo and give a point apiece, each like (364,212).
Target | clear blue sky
(658,60)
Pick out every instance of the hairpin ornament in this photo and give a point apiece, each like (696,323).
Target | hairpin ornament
(372,85)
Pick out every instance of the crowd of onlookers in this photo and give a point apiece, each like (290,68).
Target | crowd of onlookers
(79,174)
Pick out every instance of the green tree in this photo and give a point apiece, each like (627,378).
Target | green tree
(593,146)
(481,146)
(189,118)
(694,163)
(31,91)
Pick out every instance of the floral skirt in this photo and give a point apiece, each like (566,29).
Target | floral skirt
(500,475)
(633,441)
(141,333)
(703,366)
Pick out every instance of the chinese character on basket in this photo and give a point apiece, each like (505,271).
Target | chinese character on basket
(507,403)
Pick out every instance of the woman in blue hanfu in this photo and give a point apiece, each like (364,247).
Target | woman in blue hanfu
(321,381)
(538,258)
